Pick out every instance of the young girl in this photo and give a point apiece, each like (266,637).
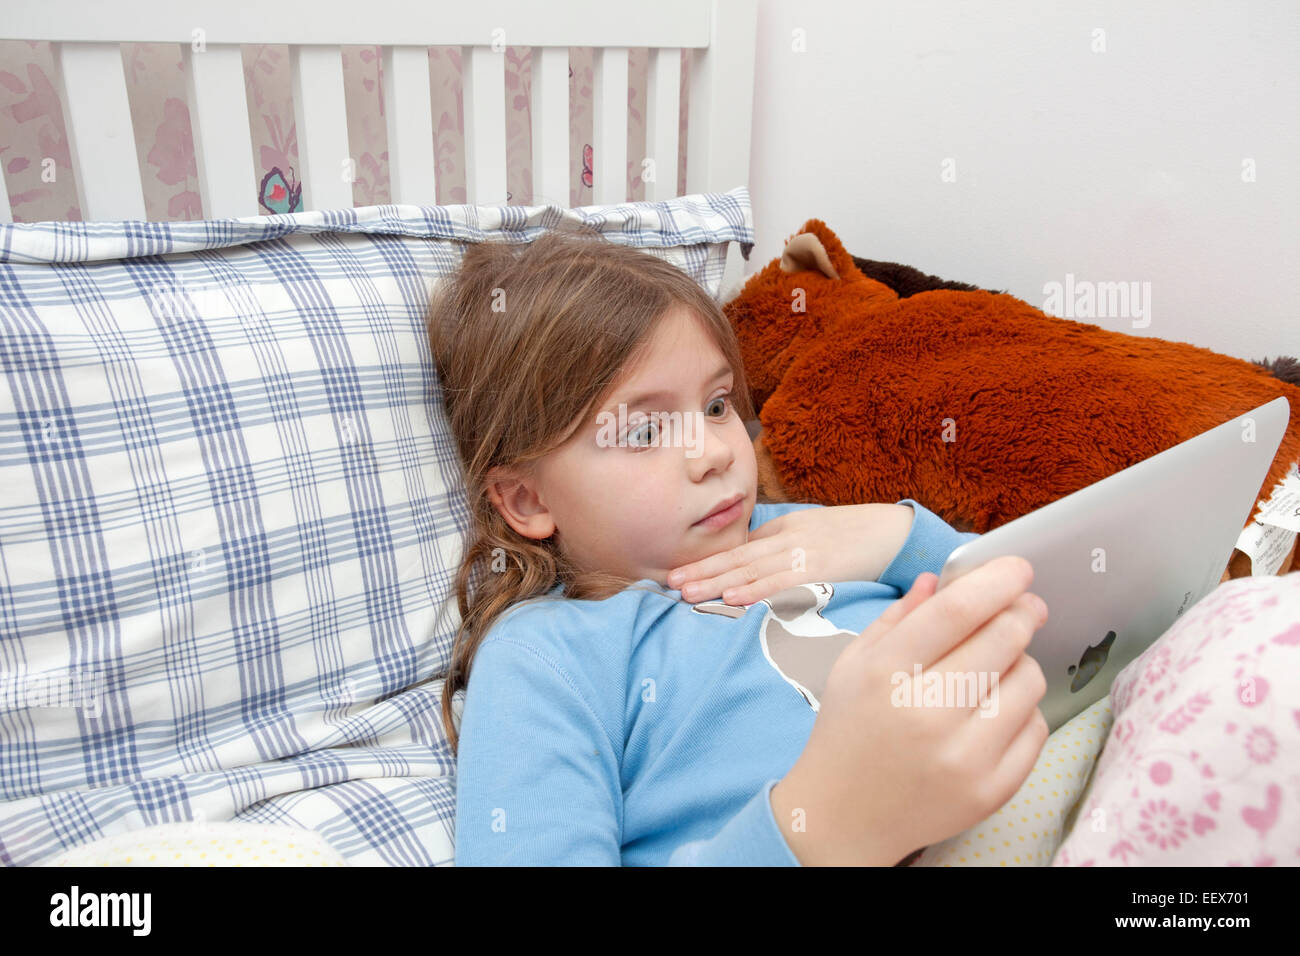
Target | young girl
(658,668)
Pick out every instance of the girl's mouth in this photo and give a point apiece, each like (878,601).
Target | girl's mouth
(720,519)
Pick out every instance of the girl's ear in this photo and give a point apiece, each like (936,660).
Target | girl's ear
(516,499)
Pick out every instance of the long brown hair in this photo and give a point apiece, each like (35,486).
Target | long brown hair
(528,339)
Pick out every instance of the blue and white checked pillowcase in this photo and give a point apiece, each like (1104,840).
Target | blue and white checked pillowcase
(231,513)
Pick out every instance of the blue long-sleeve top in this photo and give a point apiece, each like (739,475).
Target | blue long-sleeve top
(644,730)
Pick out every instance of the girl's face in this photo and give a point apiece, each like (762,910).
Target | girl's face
(627,496)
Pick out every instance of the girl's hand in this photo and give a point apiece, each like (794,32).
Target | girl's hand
(883,774)
(842,543)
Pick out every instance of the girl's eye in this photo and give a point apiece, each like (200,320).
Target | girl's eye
(647,433)
(643,435)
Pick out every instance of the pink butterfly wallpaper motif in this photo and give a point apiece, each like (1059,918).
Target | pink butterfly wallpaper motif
(41,184)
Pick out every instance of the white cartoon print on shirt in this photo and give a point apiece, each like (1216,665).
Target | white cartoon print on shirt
(797,641)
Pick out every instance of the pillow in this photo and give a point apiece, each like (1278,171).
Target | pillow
(232,514)
(205,844)
(1027,829)
(1200,766)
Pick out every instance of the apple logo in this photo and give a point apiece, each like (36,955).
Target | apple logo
(1093,659)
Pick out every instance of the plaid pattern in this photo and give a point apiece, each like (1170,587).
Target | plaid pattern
(231,515)
(679,224)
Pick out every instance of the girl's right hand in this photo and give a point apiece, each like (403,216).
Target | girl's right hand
(877,781)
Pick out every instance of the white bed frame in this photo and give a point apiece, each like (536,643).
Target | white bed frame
(92,88)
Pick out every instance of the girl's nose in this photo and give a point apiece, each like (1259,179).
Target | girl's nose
(714,453)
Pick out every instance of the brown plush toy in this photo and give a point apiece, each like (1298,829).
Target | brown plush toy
(976,404)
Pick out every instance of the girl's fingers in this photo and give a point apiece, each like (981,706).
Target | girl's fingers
(1011,701)
(997,646)
(1020,757)
(752,582)
(922,587)
(707,569)
(936,627)
(768,584)
(727,568)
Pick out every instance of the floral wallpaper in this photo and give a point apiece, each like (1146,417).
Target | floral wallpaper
(41,183)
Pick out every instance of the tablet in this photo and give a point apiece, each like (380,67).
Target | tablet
(1119,561)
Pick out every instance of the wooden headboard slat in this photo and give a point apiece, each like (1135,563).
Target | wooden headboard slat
(408,113)
(483,87)
(609,125)
(223,146)
(101,137)
(552,169)
(662,124)
(320,111)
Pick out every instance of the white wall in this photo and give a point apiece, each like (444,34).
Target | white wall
(1123,165)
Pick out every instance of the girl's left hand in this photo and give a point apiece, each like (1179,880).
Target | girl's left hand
(838,543)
